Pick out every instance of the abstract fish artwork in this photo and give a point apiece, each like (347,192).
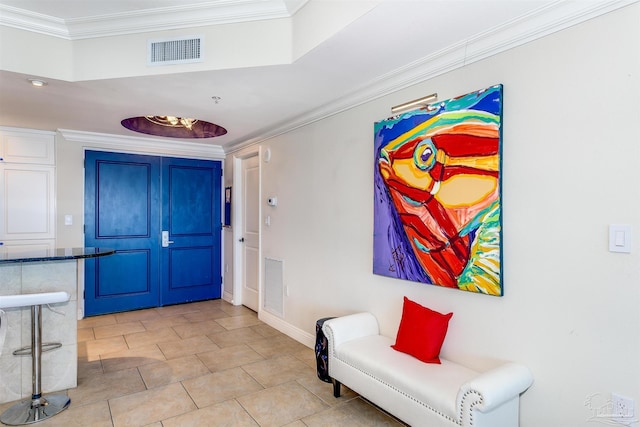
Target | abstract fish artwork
(437,183)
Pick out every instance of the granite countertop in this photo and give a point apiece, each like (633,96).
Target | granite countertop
(58,254)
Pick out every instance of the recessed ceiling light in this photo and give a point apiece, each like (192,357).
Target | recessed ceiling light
(37,82)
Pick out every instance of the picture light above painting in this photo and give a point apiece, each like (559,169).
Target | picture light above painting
(437,183)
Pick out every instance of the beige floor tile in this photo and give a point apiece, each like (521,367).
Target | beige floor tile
(137,315)
(277,370)
(325,390)
(353,413)
(164,322)
(195,328)
(117,329)
(174,370)
(131,358)
(155,336)
(91,350)
(275,346)
(216,302)
(236,310)
(88,369)
(281,405)
(241,321)
(220,386)
(193,345)
(221,357)
(206,305)
(150,406)
(92,415)
(266,331)
(235,337)
(306,356)
(225,414)
(175,310)
(91,322)
(229,357)
(85,334)
(106,386)
(205,314)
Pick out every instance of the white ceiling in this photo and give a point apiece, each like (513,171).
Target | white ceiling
(394,44)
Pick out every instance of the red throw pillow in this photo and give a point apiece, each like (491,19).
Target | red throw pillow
(421,332)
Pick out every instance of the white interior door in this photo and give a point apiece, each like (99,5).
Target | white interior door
(250,232)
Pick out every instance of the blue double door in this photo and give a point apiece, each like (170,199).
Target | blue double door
(162,215)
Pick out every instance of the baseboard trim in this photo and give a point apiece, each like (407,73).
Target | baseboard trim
(287,329)
(228,297)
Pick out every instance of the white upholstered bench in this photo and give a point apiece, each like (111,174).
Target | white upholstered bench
(418,393)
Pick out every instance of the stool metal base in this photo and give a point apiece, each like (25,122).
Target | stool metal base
(34,410)
(28,350)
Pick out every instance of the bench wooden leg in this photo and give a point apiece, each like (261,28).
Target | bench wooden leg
(336,388)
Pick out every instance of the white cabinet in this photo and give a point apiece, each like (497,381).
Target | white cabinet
(27,189)
(32,246)
(27,192)
(27,146)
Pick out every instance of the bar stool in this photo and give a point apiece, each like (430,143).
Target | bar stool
(37,408)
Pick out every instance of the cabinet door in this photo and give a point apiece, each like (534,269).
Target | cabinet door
(27,202)
(27,146)
(31,246)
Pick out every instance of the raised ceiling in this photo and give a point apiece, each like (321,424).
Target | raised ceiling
(267,66)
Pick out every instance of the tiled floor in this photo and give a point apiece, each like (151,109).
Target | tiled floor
(201,364)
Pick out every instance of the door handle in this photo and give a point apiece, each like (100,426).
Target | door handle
(165,239)
(241,240)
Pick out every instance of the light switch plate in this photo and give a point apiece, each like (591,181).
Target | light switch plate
(620,238)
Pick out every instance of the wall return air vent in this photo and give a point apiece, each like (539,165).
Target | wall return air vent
(183,50)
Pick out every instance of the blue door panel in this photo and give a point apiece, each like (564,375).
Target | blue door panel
(125,273)
(190,267)
(190,195)
(134,220)
(117,294)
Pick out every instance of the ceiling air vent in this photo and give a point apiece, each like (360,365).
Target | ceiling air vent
(182,50)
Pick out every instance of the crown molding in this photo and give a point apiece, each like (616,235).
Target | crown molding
(177,17)
(34,22)
(539,23)
(25,130)
(135,144)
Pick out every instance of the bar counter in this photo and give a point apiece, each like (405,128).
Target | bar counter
(57,254)
(47,270)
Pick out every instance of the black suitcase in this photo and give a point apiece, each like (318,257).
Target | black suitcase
(322,352)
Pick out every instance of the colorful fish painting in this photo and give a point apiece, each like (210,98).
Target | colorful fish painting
(437,213)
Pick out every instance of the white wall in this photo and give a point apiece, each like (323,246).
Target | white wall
(248,44)
(570,168)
